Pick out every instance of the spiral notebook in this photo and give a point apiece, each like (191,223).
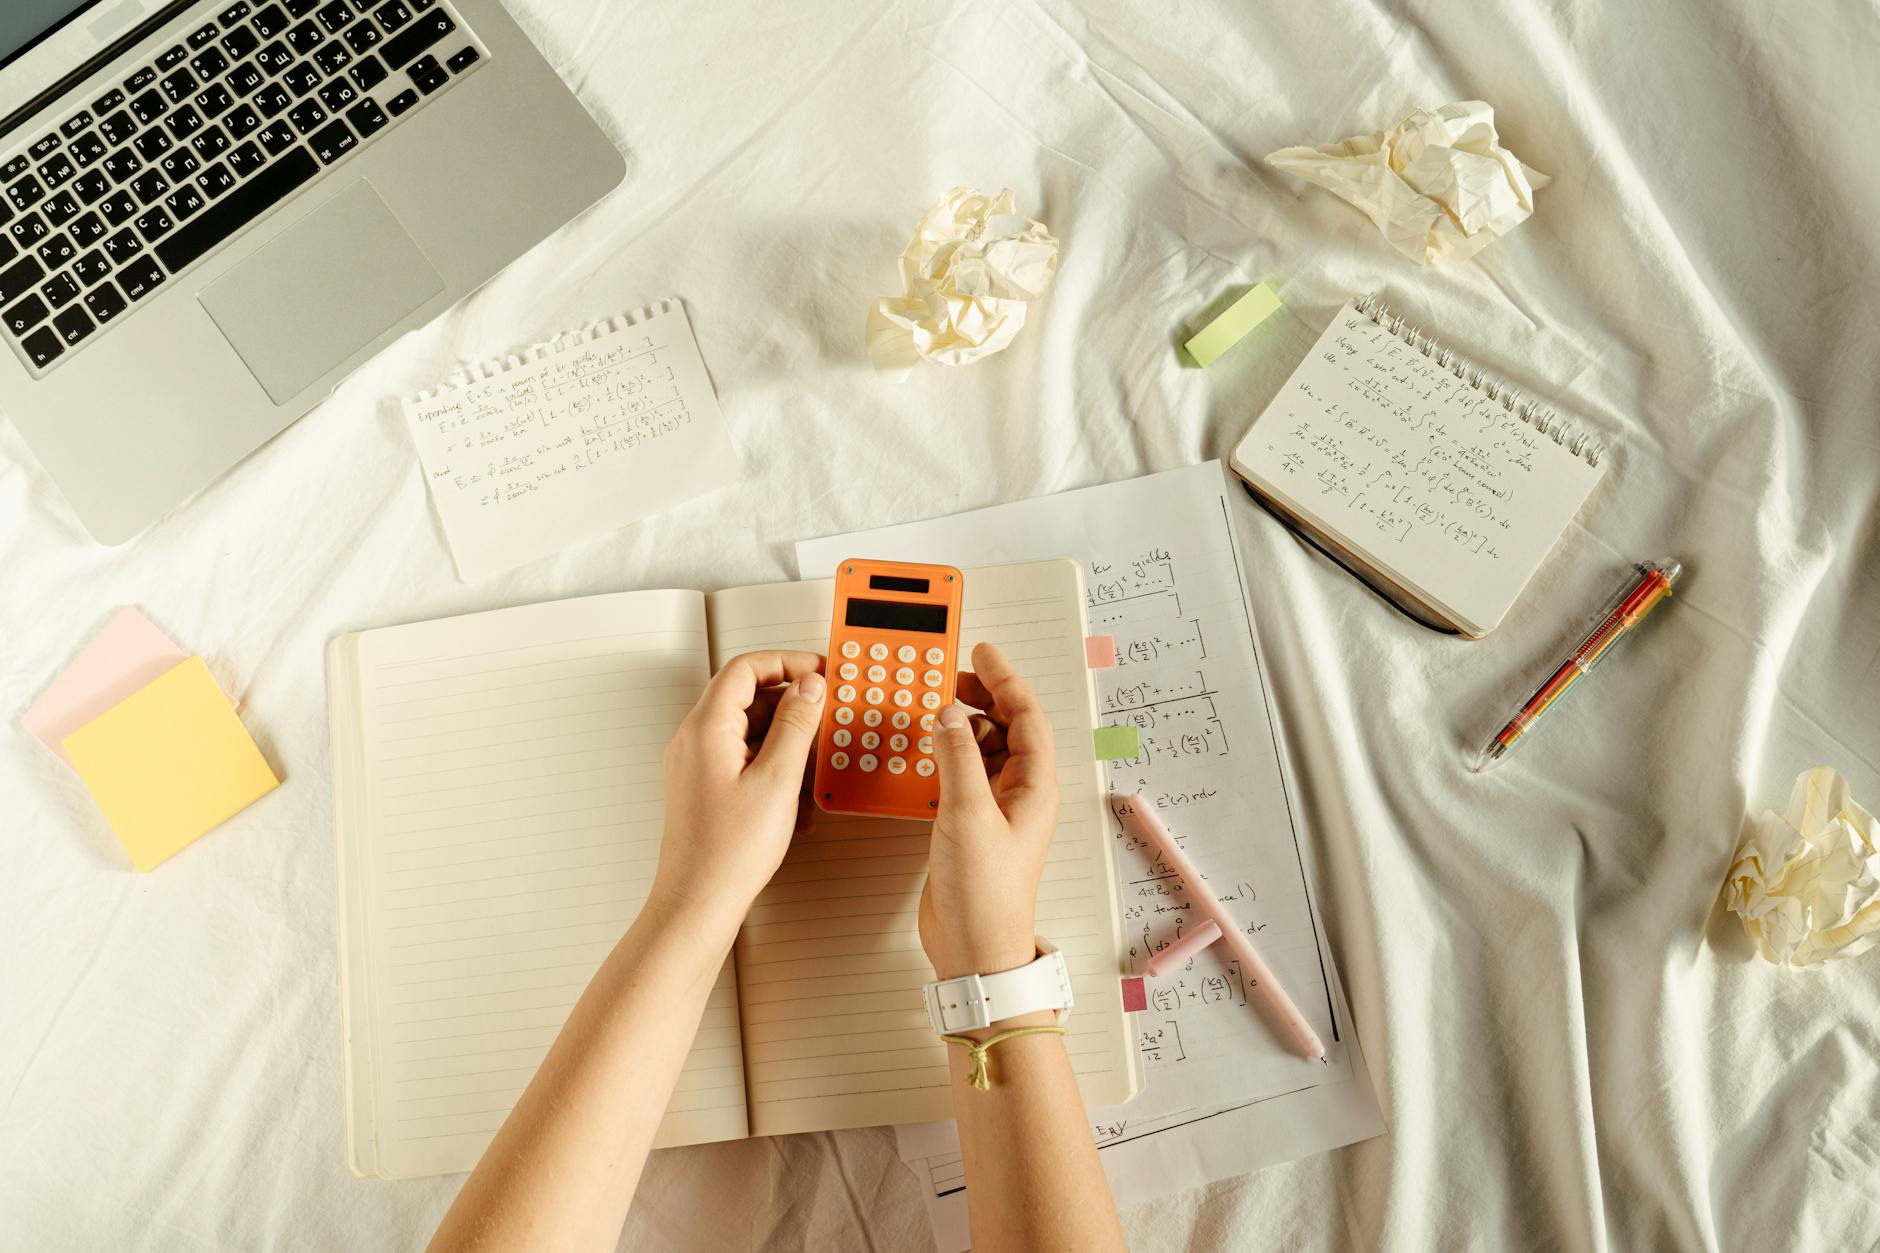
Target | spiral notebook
(1429,479)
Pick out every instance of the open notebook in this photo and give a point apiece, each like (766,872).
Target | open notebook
(498,798)
(1427,478)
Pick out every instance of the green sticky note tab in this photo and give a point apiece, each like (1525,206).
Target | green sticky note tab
(1234,322)
(1117,743)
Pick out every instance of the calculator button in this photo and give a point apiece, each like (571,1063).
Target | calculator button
(868,762)
(926,722)
(926,745)
(845,715)
(877,674)
(898,743)
(873,696)
(904,676)
(839,760)
(931,678)
(851,649)
(878,651)
(935,656)
(903,697)
(871,739)
(901,719)
(930,700)
(871,717)
(848,670)
(907,652)
(840,739)
(845,693)
(897,765)
(924,767)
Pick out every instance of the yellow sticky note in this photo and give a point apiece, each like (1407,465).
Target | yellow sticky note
(169,763)
(1117,743)
(1234,322)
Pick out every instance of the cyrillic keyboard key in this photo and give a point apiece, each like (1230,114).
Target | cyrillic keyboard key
(20,277)
(330,143)
(140,277)
(238,208)
(405,45)
(105,302)
(60,290)
(25,315)
(72,325)
(43,346)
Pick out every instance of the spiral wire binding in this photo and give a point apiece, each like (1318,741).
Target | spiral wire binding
(1562,432)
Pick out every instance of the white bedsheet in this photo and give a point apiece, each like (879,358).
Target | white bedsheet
(1572,1049)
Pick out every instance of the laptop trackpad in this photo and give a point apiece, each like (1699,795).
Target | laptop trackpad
(320,291)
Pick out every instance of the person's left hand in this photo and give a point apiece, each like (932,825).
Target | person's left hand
(734,775)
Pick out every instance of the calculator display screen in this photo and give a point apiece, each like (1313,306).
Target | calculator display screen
(889,615)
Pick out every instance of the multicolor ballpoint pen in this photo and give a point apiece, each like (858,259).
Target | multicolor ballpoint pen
(1626,610)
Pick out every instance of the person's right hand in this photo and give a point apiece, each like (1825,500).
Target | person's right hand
(998,808)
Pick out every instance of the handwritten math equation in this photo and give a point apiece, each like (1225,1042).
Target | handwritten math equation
(1399,439)
(508,437)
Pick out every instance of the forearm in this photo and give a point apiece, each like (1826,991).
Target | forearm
(1031,1161)
(562,1171)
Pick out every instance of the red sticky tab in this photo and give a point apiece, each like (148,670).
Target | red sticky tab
(1100,651)
(1135,998)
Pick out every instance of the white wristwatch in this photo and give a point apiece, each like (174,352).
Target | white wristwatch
(974,1001)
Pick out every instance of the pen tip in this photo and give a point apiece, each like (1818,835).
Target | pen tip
(1486,758)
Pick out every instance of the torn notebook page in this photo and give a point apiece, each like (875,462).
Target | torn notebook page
(572,439)
(1162,577)
(1438,184)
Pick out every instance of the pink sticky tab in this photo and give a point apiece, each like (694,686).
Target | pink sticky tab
(1100,651)
(1135,998)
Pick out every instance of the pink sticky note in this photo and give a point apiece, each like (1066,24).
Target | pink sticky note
(121,660)
(1135,999)
(1100,651)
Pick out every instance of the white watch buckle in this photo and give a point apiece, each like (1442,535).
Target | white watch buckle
(958,1004)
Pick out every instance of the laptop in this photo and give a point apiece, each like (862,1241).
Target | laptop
(211,213)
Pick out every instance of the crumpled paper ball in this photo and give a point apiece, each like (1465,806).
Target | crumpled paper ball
(1807,883)
(968,277)
(1438,184)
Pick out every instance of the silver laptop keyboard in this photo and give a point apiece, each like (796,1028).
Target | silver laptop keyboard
(198,144)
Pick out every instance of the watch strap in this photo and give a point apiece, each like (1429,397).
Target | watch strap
(974,1001)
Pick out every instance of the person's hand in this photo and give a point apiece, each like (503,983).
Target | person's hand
(998,808)
(734,777)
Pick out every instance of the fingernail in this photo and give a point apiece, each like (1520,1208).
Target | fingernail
(953,716)
(811,687)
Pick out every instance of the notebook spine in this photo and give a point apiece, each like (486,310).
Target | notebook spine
(1545,420)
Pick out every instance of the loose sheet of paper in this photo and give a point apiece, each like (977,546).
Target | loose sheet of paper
(1397,455)
(1162,576)
(575,438)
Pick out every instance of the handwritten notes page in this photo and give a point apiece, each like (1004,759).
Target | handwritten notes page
(502,793)
(570,440)
(830,966)
(1414,462)
(1223,1094)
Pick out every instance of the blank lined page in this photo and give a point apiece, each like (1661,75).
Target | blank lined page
(830,966)
(513,799)
(1413,461)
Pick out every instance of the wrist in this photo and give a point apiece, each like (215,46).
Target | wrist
(987,956)
(712,916)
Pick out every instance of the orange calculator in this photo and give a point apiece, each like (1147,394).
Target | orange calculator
(893,654)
